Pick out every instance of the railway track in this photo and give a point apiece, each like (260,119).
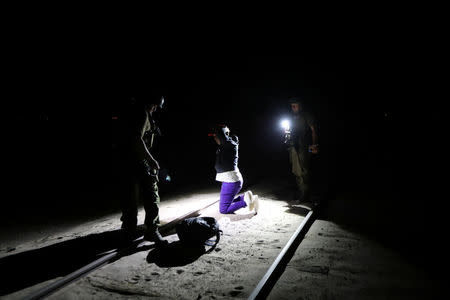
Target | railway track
(261,291)
(108,257)
(269,279)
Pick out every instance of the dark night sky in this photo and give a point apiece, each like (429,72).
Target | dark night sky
(59,125)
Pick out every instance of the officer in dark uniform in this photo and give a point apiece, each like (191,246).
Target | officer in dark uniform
(141,167)
(302,144)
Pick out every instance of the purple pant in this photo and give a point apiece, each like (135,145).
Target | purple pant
(229,204)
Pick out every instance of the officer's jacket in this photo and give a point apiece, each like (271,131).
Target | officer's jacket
(301,130)
(138,124)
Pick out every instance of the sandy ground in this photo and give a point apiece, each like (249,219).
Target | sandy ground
(330,263)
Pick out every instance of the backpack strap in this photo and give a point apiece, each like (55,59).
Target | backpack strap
(213,244)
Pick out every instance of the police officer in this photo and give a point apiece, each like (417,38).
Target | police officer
(302,145)
(141,167)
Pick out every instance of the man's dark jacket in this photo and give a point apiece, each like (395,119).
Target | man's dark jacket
(227,152)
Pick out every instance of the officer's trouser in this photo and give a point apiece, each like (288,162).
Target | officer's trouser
(300,163)
(142,187)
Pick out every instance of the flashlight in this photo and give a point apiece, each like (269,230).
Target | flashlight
(286,125)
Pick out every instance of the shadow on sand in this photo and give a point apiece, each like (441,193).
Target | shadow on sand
(25,269)
(178,254)
(175,254)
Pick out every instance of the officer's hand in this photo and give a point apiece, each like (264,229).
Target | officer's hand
(154,164)
(314,149)
(287,139)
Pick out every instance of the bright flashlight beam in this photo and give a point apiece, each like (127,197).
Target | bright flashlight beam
(285,124)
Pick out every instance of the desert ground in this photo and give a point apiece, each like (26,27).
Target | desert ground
(333,261)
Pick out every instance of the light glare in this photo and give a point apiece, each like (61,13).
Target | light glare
(285,124)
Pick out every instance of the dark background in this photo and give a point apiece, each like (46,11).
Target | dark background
(376,109)
(376,104)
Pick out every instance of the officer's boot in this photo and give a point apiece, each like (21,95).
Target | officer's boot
(153,235)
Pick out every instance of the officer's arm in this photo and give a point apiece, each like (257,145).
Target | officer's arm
(139,145)
(148,156)
(311,121)
(315,135)
(314,148)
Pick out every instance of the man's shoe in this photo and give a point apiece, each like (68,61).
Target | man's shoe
(128,230)
(256,203)
(128,226)
(249,200)
(128,234)
(155,236)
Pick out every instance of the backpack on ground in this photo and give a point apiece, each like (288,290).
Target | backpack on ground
(199,231)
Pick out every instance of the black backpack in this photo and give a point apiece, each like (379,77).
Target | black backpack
(198,232)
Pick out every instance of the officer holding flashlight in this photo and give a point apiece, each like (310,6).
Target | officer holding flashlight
(302,142)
